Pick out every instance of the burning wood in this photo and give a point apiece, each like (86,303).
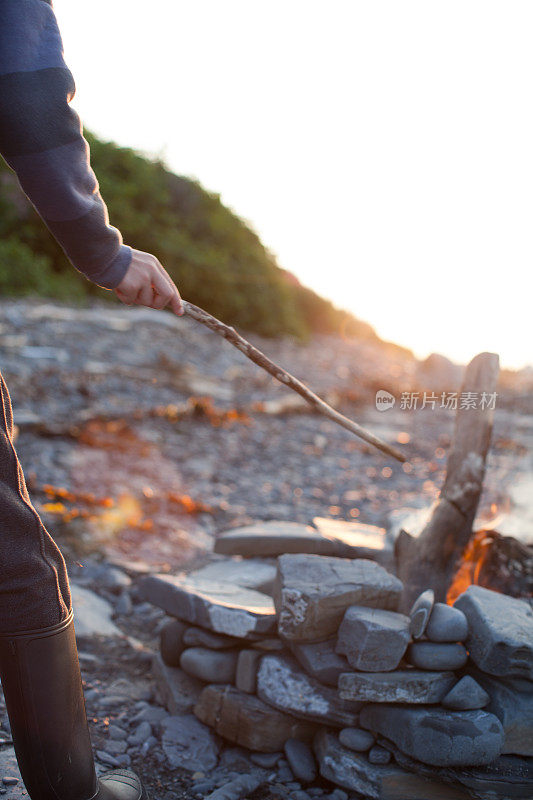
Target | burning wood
(431,559)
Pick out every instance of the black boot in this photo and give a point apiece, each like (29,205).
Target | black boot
(42,686)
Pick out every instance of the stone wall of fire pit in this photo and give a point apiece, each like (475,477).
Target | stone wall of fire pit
(306,653)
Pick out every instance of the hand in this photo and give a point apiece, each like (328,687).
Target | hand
(147,283)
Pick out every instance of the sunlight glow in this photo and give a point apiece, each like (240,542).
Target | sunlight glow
(381,150)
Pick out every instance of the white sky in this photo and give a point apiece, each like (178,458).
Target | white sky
(382,150)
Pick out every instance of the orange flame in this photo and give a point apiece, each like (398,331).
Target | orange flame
(474,557)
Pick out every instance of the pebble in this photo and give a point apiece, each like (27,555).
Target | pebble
(141,734)
(265,760)
(7,780)
(285,774)
(437,656)
(420,612)
(107,758)
(447,624)
(148,744)
(378,755)
(171,642)
(124,604)
(337,794)
(301,760)
(116,732)
(124,760)
(466,695)
(211,666)
(116,748)
(246,672)
(149,713)
(356,739)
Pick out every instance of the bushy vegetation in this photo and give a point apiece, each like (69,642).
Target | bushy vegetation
(216,260)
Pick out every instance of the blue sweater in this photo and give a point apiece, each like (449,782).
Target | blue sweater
(41,139)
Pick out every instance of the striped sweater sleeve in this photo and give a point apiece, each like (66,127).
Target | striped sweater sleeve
(41,139)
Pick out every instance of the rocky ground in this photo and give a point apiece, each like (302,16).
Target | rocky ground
(143,435)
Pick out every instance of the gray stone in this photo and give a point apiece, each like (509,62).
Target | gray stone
(107,758)
(9,780)
(378,755)
(238,788)
(116,748)
(500,638)
(436,736)
(188,744)
(210,666)
(92,614)
(269,645)
(401,686)
(265,760)
(198,637)
(150,713)
(141,733)
(357,540)
(251,573)
(354,772)
(274,538)
(312,593)
(357,739)
(247,721)
(116,732)
(320,660)
(9,768)
(220,607)
(373,640)
(171,641)
(467,695)
(282,684)
(437,655)
(420,612)
(177,691)
(301,760)
(446,624)
(511,700)
(247,667)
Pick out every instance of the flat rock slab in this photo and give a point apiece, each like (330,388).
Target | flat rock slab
(248,721)
(446,624)
(353,771)
(250,573)
(188,744)
(177,691)
(373,640)
(402,686)
(220,607)
(312,593)
(500,639)
(273,538)
(357,540)
(511,700)
(320,660)
(436,736)
(284,685)
(437,655)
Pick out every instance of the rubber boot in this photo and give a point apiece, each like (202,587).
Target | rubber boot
(43,691)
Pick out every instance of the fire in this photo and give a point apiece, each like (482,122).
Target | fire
(473,559)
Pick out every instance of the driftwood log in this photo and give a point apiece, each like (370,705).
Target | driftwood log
(259,358)
(431,559)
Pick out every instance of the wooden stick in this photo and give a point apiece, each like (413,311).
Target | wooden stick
(259,358)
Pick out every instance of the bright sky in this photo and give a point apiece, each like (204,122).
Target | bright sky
(382,150)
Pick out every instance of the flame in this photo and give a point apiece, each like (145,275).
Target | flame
(474,557)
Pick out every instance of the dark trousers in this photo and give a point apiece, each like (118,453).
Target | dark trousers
(34,587)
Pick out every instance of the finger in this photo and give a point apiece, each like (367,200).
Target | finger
(145,295)
(127,299)
(164,286)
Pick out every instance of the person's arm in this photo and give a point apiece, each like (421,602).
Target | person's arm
(41,139)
